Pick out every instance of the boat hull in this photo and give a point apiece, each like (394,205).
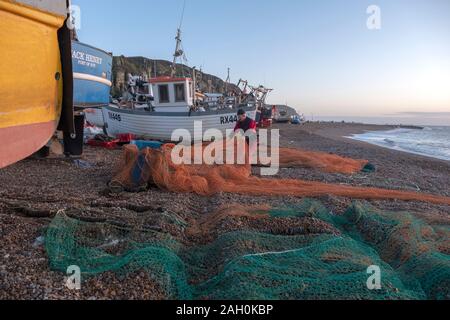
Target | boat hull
(92,75)
(94,116)
(33,134)
(31,76)
(160,126)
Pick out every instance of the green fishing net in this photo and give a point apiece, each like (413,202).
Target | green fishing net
(411,253)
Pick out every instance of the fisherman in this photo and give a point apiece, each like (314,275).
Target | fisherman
(244,123)
(248,126)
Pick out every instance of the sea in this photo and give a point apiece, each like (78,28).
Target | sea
(432,141)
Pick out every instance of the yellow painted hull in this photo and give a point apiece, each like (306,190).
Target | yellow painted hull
(30,78)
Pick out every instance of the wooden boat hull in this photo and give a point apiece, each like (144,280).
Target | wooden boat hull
(92,75)
(160,126)
(31,82)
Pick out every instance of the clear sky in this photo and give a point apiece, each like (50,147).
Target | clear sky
(318,55)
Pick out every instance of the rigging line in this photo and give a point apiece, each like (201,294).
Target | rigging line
(182,14)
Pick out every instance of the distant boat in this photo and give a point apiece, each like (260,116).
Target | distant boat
(34,59)
(296,119)
(281,114)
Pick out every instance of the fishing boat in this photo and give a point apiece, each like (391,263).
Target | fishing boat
(36,76)
(172,107)
(92,73)
(155,108)
(92,68)
(281,114)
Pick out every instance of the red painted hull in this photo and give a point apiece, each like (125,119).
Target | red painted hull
(17,143)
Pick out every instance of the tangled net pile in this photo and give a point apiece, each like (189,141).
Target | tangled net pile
(149,166)
(329,263)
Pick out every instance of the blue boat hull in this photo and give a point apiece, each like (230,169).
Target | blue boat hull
(92,69)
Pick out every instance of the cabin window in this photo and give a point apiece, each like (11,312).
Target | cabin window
(180,95)
(163,93)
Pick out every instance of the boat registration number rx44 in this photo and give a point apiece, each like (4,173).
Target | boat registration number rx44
(228,119)
(226,310)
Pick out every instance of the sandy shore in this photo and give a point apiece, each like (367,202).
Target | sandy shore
(32,191)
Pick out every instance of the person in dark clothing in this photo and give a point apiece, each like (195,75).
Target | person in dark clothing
(244,123)
(248,126)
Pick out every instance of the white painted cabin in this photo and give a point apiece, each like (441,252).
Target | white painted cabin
(172,94)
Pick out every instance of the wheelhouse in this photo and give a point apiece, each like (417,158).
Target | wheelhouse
(172,94)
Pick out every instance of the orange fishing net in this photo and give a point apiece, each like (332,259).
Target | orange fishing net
(156,167)
(290,158)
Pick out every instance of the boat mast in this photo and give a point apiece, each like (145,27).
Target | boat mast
(178,53)
(178,49)
(227,82)
(194,80)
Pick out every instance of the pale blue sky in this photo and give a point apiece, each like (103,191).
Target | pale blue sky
(318,55)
